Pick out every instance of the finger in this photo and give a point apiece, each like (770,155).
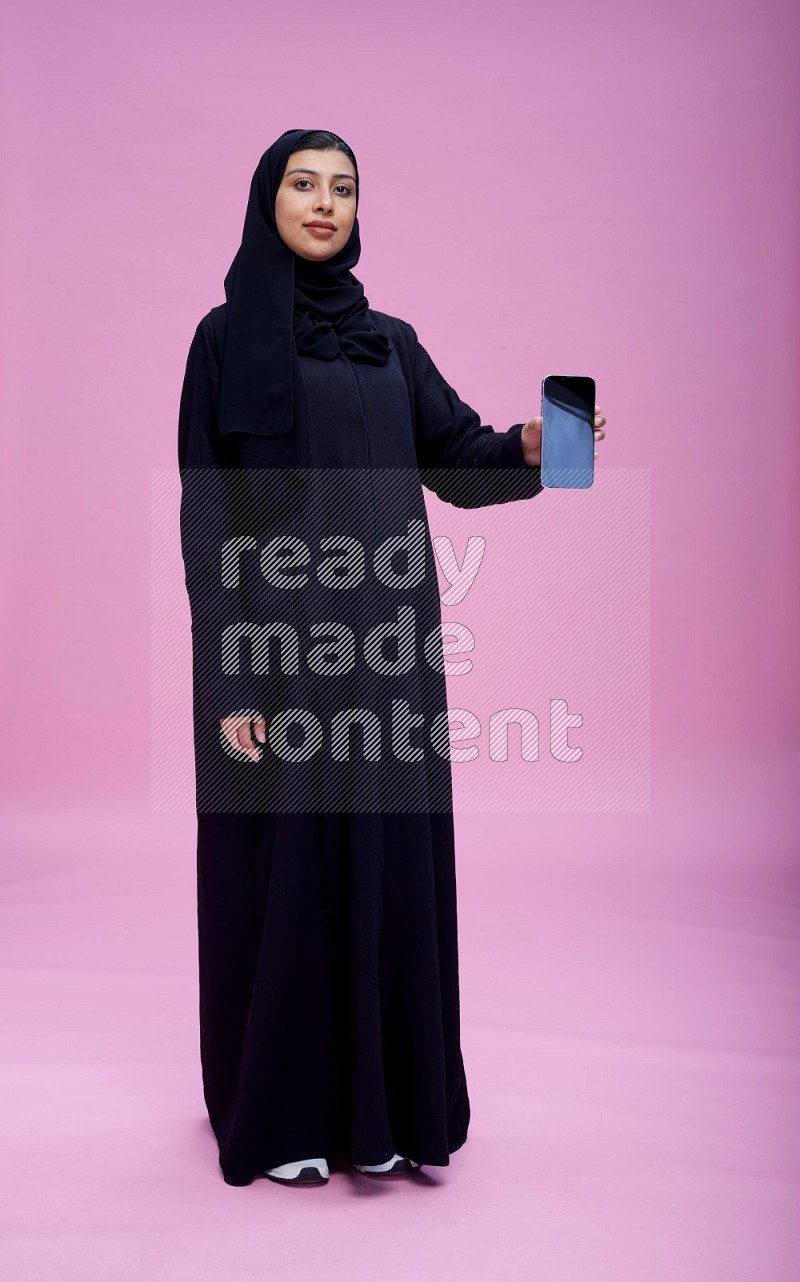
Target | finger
(246,742)
(230,730)
(260,727)
(595,453)
(599,434)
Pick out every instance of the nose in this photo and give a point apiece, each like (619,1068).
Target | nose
(324,200)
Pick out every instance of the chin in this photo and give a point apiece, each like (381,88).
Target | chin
(325,251)
(313,258)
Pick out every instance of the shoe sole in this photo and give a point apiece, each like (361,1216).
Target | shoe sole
(401,1169)
(309,1176)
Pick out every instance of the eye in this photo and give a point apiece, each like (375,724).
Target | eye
(342,187)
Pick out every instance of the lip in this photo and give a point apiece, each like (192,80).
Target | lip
(321,229)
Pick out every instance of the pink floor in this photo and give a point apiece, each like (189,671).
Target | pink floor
(630,1033)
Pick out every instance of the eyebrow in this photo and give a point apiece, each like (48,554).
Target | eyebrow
(316,173)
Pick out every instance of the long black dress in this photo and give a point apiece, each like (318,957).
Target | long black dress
(327,924)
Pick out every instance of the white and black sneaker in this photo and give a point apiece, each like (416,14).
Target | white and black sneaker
(396,1165)
(311,1170)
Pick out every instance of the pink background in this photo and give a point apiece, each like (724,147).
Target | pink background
(572,189)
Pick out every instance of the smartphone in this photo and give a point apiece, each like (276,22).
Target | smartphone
(567,432)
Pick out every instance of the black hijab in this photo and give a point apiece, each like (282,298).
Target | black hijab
(276,299)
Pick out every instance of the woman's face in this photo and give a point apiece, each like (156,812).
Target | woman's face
(317,187)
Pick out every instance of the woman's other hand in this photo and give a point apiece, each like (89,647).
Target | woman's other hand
(237,732)
(531,437)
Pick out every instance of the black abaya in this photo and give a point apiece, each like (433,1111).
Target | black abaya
(327,924)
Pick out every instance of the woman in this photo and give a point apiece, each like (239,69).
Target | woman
(328,969)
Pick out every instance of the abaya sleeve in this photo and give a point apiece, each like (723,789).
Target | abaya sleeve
(465,462)
(208,520)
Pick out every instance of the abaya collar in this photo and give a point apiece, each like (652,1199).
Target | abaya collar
(277,300)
